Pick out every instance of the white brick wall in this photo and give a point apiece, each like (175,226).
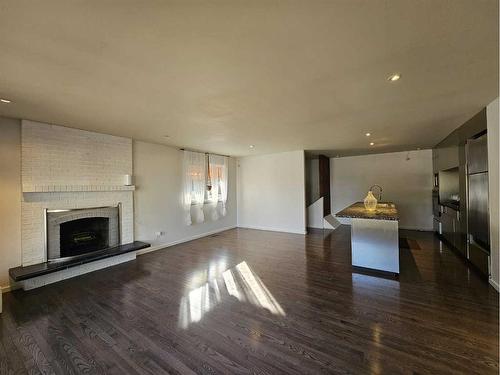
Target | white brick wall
(57,156)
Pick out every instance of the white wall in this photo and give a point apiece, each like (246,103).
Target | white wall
(492,115)
(271,192)
(10,197)
(158,180)
(407,183)
(312,180)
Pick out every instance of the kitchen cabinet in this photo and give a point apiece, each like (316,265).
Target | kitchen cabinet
(460,240)
(477,155)
(479,258)
(447,158)
(463,227)
(448,227)
(450,221)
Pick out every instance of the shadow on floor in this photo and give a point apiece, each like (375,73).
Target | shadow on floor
(407,265)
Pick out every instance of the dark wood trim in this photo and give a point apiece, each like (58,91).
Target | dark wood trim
(324,183)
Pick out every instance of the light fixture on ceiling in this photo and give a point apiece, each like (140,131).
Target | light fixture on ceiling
(368,134)
(372,143)
(6,101)
(394,77)
(166,136)
(251,146)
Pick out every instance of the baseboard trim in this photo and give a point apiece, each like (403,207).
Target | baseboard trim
(192,238)
(494,284)
(311,226)
(271,229)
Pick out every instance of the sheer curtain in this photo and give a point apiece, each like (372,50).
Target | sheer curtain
(223,185)
(218,173)
(213,195)
(194,185)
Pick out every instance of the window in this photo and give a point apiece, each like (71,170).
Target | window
(205,182)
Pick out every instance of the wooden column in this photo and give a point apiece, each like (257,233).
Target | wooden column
(324,183)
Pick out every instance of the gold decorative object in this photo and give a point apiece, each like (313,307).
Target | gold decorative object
(370,201)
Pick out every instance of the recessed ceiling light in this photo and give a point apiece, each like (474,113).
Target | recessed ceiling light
(368,134)
(7,101)
(372,143)
(251,146)
(166,136)
(394,77)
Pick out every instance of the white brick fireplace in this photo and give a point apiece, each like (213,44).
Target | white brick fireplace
(64,168)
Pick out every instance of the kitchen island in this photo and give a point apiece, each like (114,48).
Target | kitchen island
(374,236)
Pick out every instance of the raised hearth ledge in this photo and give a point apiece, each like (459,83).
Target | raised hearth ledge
(68,273)
(73,188)
(20,273)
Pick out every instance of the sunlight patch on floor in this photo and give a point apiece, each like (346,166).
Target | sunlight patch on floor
(240,282)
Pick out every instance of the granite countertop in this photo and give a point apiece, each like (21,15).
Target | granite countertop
(384,211)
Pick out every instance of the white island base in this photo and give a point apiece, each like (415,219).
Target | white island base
(375,244)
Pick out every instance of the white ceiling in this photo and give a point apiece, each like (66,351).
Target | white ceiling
(281,75)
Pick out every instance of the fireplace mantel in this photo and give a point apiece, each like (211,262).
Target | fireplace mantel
(75,188)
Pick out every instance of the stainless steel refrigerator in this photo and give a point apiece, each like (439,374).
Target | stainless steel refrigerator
(477,204)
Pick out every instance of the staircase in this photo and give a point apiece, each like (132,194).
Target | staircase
(318,213)
(316,218)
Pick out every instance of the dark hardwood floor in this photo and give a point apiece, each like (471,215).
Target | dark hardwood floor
(255,302)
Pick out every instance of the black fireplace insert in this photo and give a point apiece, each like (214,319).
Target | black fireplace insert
(84,235)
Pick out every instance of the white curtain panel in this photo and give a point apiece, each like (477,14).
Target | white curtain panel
(223,185)
(215,172)
(221,165)
(186,188)
(194,185)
